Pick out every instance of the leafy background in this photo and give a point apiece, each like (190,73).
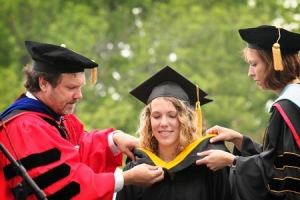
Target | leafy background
(132,40)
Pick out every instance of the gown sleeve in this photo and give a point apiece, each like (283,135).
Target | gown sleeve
(54,163)
(249,148)
(94,148)
(256,174)
(129,192)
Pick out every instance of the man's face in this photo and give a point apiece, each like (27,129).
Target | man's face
(63,98)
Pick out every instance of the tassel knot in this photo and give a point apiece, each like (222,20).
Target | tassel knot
(277,59)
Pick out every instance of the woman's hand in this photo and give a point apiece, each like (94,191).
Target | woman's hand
(225,134)
(215,159)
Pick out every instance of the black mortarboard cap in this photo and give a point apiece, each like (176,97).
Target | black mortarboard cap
(265,36)
(51,58)
(169,83)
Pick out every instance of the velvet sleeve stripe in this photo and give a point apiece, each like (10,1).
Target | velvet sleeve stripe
(288,159)
(287,184)
(46,179)
(33,161)
(66,192)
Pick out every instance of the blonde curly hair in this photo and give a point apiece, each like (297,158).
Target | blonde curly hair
(187,118)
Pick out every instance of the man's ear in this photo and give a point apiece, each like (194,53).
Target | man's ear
(43,84)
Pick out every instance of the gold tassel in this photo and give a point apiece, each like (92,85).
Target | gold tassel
(277,54)
(94,75)
(199,113)
(94,70)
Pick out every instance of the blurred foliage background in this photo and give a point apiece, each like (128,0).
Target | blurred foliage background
(132,40)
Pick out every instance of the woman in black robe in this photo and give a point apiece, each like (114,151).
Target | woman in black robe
(170,136)
(270,171)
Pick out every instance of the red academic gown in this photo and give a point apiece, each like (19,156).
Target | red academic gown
(56,166)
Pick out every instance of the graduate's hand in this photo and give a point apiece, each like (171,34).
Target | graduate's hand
(215,159)
(126,143)
(225,134)
(143,175)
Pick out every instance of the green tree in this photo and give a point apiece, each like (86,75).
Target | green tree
(131,40)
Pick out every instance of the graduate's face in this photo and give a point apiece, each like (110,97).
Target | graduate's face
(257,67)
(164,123)
(63,98)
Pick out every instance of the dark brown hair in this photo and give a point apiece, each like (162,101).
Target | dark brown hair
(31,79)
(273,79)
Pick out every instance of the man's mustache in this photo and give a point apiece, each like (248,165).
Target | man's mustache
(74,101)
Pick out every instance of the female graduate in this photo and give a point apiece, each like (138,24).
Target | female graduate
(170,137)
(269,171)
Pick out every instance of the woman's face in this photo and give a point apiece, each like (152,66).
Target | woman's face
(164,123)
(257,67)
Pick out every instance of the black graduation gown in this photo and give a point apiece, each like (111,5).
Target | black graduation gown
(271,171)
(190,182)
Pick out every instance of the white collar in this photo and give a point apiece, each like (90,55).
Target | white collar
(30,95)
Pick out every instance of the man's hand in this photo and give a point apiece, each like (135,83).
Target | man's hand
(143,175)
(125,143)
